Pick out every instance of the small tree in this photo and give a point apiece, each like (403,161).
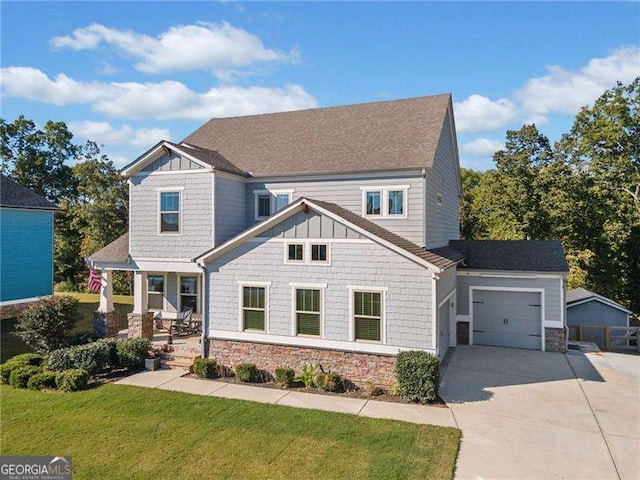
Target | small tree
(45,325)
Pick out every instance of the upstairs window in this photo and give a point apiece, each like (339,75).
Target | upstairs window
(296,252)
(318,252)
(269,202)
(385,202)
(306,252)
(169,212)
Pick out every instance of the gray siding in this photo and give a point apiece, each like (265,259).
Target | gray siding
(409,303)
(347,194)
(442,220)
(196,236)
(595,313)
(229,208)
(310,225)
(551,286)
(444,285)
(171,162)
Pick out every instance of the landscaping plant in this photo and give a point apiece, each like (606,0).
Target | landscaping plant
(329,382)
(246,371)
(309,374)
(132,352)
(46,324)
(418,374)
(284,377)
(205,367)
(20,376)
(42,380)
(92,357)
(72,380)
(23,360)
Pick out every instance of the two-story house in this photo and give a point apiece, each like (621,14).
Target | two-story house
(325,235)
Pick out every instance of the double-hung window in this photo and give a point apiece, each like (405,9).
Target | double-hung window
(169,212)
(367,315)
(155,292)
(268,202)
(385,202)
(253,308)
(189,293)
(308,311)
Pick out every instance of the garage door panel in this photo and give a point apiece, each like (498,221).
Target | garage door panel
(509,319)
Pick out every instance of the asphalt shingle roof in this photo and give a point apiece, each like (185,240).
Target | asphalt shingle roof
(116,252)
(578,294)
(210,157)
(519,255)
(371,136)
(12,194)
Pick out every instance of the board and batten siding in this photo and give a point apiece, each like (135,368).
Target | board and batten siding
(443,220)
(310,225)
(229,207)
(347,194)
(552,292)
(196,212)
(409,305)
(26,249)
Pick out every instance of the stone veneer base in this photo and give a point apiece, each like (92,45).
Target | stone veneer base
(140,325)
(105,324)
(355,367)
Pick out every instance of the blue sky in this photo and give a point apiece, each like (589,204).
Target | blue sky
(129,74)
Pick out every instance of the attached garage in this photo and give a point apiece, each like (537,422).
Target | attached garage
(511,294)
(506,318)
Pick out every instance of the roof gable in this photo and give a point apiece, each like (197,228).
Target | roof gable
(14,195)
(400,134)
(437,261)
(578,296)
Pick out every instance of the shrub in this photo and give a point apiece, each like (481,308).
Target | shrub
(6,369)
(418,374)
(92,357)
(308,375)
(205,367)
(112,347)
(45,325)
(132,352)
(79,338)
(42,380)
(246,371)
(72,380)
(370,389)
(20,376)
(26,359)
(395,389)
(285,377)
(329,382)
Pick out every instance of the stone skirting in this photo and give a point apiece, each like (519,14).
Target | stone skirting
(13,310)
(354,367)
(462,333)
(140,325)
(555,339)
(105,324)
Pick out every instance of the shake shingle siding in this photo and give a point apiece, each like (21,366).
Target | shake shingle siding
(347,194)
(230,208)
(409,304)
(196,211)
(442,220)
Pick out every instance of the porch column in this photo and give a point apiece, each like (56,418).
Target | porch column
(106,292)
(140,320)
(139,294)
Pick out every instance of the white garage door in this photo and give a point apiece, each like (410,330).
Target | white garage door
(507,319)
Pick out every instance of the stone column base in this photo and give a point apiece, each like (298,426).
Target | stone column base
(140,325)
(105,324)
(555,339)
(462,333)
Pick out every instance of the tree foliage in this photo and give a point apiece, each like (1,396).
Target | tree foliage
(93,197)
(585,191)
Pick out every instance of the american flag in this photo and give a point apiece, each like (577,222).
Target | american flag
(95,282)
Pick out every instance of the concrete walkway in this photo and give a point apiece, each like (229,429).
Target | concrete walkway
(166,379)
(527,414)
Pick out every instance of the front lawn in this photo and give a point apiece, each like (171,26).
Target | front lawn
(10,345)
(117,431)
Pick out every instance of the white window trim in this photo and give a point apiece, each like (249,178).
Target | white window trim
(179,190)
(306,252)
(241,285)
(383,312)
(198,289)
(272,205)
(164,291)
(384,200)
(309,286)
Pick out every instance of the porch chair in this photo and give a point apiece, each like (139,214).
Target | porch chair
(183,325)
(157,321)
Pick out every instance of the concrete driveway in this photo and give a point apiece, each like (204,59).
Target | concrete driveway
(526,414)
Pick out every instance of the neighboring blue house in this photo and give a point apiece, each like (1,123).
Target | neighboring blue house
(26,244)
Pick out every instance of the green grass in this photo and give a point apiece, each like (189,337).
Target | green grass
(116,431)
(11,345)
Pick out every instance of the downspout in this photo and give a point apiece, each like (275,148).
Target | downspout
(424,207)
(205,317)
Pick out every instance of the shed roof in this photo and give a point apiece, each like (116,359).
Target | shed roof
(582,295)
(14,195)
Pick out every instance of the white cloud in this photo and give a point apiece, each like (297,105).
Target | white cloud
(218,47)
(481,147)
(110,136)
(481,114)
(161,101)
(567,91)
